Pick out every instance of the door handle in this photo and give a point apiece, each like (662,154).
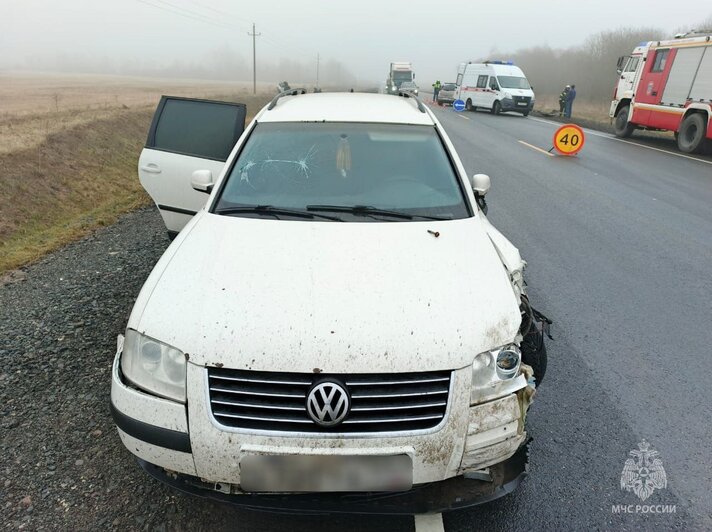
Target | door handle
(151,168)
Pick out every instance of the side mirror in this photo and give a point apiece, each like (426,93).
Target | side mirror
(480,184)
(202,181)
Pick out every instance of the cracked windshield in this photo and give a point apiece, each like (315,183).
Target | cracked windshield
(307,166)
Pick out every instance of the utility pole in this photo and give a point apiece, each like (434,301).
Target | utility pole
(254,36)
(317,71)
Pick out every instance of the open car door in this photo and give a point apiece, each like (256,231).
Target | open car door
(186,135)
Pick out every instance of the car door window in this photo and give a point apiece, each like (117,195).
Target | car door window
(482,81)
(199,128)
(493,84)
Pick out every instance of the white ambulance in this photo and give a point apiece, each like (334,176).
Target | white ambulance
(494,85)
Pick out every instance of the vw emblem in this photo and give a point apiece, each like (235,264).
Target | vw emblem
(328,403)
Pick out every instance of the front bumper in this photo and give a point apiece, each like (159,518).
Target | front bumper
(488,436)
(513,105)
(613,109)
(436,497)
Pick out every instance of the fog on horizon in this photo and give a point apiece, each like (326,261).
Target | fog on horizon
(355,41)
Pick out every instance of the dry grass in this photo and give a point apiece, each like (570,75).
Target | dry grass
(33,106)
(66,171)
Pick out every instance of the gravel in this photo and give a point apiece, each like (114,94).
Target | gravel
(63,465)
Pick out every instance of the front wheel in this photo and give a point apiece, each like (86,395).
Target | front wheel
(623,128)
(691,138)
(534,353)
(525,113)
(496,108)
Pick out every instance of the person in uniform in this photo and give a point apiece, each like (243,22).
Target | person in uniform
(436,90)
(570,97)
(562,100)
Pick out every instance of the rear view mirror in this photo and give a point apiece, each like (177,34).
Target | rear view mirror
(202,181)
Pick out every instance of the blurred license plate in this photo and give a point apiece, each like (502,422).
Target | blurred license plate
(521,103)
(309,473)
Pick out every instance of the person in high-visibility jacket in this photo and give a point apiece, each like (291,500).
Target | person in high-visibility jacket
(436,90)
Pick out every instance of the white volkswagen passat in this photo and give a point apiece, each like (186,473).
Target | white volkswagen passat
(339,317)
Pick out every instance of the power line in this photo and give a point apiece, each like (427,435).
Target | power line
(220,12)
(192,15)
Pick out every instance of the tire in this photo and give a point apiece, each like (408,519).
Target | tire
(496,108)
(534,353)
(525,113)
(468,105)
(622,127)
(691,138)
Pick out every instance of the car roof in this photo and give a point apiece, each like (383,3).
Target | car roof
(511,70)
(346,107)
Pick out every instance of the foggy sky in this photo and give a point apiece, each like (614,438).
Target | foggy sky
(364,35)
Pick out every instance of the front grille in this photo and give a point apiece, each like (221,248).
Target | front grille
(256,400)
(523,99)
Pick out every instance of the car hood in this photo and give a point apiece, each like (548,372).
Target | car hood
(307,296)
(519,92)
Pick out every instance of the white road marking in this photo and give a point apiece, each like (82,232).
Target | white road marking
(684,156)
(429,523)
(462,117)
(613,137)
(544,121)
(536,148)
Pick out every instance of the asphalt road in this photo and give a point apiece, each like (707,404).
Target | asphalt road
(619,246)
(619,251)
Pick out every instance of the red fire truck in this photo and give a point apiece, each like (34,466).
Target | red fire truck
(667,86)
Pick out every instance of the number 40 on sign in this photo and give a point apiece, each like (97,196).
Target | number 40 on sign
(569,139)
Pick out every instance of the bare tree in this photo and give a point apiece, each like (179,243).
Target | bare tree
(591,66)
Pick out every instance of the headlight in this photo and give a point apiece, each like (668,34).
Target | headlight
(494,373)
(507,362)
(507,96)
(154,366)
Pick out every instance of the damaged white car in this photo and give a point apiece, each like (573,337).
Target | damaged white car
(339,328)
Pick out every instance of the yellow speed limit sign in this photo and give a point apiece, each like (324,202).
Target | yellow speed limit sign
(569,139)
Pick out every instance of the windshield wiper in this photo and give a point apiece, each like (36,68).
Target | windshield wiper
(270,210)
(367,210)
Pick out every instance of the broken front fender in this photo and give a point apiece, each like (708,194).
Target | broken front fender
(510,257)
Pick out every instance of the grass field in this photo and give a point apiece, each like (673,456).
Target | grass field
(69,146)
